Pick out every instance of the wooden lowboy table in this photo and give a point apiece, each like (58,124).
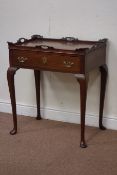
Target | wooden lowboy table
(68,55)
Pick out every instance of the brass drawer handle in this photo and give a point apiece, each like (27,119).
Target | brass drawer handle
(68,63)
(22,59)
(44,60)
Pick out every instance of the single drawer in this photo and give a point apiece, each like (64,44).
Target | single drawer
(45,61)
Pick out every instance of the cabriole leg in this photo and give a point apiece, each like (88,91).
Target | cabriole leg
(83,95)
(37,86)
(10,77)
(104,72)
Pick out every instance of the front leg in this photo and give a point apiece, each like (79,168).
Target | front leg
(10,77)
(104,72)
(37,86)
(83,80)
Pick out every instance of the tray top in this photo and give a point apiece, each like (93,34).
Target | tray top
(57,44)
(68,43)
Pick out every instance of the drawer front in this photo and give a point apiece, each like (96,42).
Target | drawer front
(45,61)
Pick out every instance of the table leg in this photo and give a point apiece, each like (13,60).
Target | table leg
(104,72)
(10,77)
(37,86)
(83,95)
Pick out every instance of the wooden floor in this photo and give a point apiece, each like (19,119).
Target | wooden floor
(48,147)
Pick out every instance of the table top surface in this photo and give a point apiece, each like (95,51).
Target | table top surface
(68,43)
(57,44)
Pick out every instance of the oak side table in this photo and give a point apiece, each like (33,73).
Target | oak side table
(67,55)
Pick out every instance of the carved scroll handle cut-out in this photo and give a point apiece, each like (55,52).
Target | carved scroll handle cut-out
(70,39)
(21,40)
(45,47)
(36,36)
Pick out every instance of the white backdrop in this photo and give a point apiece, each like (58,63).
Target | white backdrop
(91,20)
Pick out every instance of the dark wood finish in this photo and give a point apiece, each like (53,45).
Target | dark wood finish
(47,61)
(104,72)
(10,77)
(83,95)
(37,86)
(68,55)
